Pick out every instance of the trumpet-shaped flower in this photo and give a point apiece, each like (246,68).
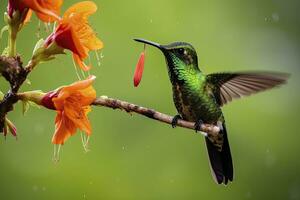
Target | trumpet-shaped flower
(72,104)
(75,34)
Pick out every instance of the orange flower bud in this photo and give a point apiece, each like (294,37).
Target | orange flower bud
(139,70)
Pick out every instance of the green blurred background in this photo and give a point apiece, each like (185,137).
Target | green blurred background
(133,157)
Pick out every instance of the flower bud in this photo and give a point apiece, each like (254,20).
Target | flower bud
(11,127)
(33,96)
(139,70)
(44,52)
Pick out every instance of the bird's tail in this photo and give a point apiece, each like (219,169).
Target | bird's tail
(220,159)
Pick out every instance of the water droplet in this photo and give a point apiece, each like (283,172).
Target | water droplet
(101,55)
(248,195)
(35,188)
(270,159)
(267,19)
(275,17)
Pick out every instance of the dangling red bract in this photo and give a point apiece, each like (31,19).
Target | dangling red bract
(139,70)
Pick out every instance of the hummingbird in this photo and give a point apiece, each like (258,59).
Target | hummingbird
(199,97)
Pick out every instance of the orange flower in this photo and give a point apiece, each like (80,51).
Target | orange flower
(46,10)
(72,104)
(74,32)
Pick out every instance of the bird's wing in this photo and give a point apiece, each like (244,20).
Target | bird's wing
(229,86)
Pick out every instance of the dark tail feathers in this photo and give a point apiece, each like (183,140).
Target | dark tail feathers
(220,161)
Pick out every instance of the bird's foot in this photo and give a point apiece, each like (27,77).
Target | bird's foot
(175,120)
(198,125)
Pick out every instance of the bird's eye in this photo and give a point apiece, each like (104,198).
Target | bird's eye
(180,51)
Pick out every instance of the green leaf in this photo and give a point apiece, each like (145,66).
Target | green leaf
(5,28)
(39,46)
(31,103)
(5,52)
(27,81)
(25,107)
(1,95)
(27,104)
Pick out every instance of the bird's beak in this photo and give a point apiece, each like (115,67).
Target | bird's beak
(161,47)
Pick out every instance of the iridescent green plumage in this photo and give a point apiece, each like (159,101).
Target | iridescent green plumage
(199,97)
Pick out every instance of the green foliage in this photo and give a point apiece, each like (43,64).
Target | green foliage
(26,105)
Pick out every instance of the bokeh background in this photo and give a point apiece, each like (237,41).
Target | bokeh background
(133,157)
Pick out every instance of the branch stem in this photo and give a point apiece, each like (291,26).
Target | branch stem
(206,129)
(12,42)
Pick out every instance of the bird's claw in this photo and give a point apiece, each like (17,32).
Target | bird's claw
(175,120)
(198,125)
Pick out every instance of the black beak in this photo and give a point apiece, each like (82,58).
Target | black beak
(161,47)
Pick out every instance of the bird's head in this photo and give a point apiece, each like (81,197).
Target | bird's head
(181,57)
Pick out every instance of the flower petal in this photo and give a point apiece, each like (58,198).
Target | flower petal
(28,16)
(67,91)
(84,8)
(64,128)
(78,115)
(46,10)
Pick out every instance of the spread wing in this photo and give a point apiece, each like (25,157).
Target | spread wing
(229,86)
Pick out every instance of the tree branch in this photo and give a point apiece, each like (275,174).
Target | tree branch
(12,70)
(207,129)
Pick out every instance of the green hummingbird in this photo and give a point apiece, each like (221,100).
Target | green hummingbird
(199,97)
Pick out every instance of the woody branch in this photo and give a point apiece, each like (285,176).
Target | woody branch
(105,101)
(11,68)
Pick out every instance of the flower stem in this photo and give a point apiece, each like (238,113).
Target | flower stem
(12,42)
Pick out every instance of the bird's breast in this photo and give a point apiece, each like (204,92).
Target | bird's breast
(193,105)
